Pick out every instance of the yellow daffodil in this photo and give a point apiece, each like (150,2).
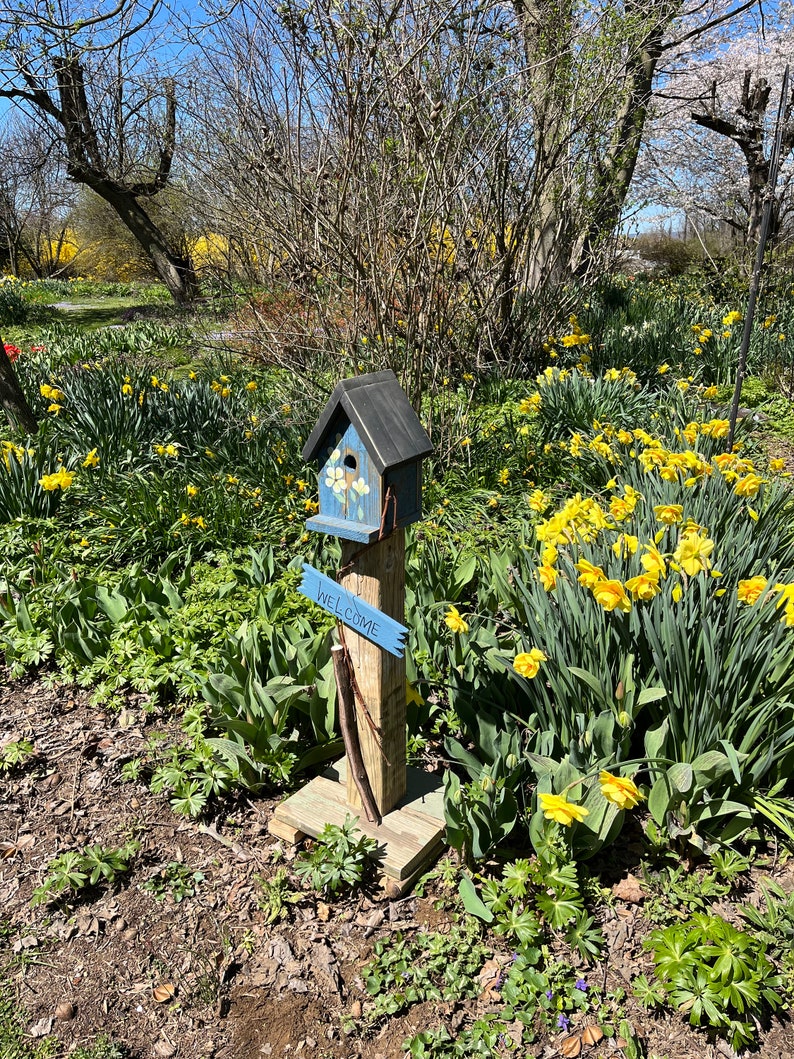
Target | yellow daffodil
(557,807)
(589,575)
(412,696)
(748,485)
(693,551)
(530,405)
(749,591)
(92,459)
(669,514)
(454,621)
(548,577)
(611,595)
(625,545)
(643,587)
(619,790)
(528,662)
(60,479)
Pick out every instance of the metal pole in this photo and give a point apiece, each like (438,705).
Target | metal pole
(755,280)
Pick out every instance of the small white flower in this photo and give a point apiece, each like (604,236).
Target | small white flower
(360,487)
(335,479)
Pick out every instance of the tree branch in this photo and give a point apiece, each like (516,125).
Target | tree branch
(698,30)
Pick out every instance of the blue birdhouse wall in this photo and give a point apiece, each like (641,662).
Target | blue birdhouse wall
(350,489)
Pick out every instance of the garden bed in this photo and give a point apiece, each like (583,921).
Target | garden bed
(177,957)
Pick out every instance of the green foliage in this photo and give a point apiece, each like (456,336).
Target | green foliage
(15,755)
(535,899)
(338,859)
(718,975)
(74,871)
(485,1037)
(190,775)
(13,309)
(175,880)
(14,1041)
(575,402)
(773,925)
(428,966)
(22,495)
(527,991)
(480,814)
(277,895)
(272,674)
(103,1047)
(676,891)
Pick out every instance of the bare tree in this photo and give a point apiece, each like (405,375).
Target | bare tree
(87,76)
(431,173)
(707,153)
(35,199)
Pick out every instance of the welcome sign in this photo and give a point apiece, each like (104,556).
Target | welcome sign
(364,619)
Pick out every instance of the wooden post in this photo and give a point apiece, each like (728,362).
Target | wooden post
(378,578)
(369,445)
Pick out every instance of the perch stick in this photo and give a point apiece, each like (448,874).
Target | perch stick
(347,722)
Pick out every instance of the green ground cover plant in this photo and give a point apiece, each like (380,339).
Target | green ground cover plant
(717,974)
(338,859)
(72,872)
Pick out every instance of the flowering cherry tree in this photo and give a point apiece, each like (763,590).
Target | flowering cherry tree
(712,127)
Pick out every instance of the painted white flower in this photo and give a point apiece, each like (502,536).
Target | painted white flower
(360,487)
(335,479)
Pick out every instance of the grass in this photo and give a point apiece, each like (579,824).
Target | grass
(91,315)
(14,1041)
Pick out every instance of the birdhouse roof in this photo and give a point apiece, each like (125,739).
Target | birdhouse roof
(378,408)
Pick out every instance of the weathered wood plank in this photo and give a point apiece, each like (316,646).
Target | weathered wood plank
(407,840)
(377,577)
(355,612)
(287,833)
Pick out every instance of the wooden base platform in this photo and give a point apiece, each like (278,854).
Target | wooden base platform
(409,838)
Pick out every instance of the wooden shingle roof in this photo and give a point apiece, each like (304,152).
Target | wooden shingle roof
(378,408)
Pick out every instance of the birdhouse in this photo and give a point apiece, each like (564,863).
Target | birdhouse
(369,445)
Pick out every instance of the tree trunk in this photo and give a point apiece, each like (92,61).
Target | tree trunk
(573,222)
(175,271)
(12,398)
(748,132)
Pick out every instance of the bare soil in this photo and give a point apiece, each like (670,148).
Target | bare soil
(208,976)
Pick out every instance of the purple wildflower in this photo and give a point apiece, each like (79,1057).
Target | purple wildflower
(563,1022)
(581,984)
(549,994)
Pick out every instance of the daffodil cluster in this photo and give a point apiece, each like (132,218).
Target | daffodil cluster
(618,790)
